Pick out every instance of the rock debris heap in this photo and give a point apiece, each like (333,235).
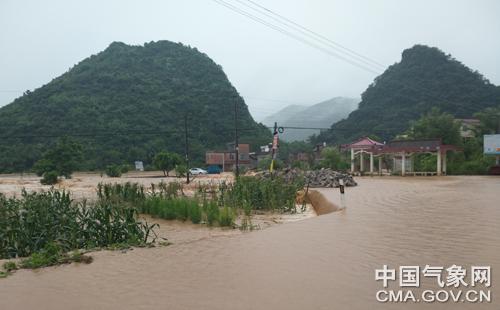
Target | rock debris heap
(328,178)
(316,178)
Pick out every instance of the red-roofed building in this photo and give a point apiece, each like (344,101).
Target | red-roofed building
(401,152)
(226,159)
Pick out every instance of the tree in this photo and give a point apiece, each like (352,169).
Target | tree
(436,125)
(166,161)
(490,120)
(332,159)
(181,170)
(291,148)
(60,160)
(114,171)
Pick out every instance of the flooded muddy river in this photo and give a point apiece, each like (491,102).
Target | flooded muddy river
(325,262)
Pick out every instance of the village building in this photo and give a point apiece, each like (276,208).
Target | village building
(226,159)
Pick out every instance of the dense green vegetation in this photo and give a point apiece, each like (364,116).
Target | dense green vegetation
(114,171)
(128,103)
(425,78)
(35,222)
(271,194)
(60,160)
(434,125)
(213,204)
(166,161)
(52,254)
(333,159)
(443,126)
(490,120)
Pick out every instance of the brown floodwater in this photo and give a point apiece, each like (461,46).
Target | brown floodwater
(325,262)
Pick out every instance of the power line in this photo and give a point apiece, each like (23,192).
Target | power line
(311,34)
(155,132)
(418,89)
(93,134)
(294,36)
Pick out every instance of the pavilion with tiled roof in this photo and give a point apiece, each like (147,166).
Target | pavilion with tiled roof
(400,150)
(360,147)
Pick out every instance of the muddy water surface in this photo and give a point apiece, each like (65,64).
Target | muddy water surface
(325,262)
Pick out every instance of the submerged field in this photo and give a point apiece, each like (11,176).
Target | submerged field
(325,262)
(84,185)
(42,227)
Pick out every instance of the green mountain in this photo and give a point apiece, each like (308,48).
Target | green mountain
(320,115)
(424,78)
(126,103)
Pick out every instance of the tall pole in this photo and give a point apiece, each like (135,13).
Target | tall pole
(236,143)
(275,147)
(187,146)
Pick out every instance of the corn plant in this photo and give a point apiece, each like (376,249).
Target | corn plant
(30,223)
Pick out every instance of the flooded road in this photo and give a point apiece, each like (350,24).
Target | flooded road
(325,262)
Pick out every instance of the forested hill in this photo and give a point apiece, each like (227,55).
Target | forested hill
(140,94)
(425,78)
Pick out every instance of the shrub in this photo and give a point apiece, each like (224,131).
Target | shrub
(9,266)
(48,256)
(264,164)
(263,193)
(297,164)
(226,217)
(166,161)
(333,159)
(182,209)
(195,212)
(113,171)
(62,158)
(212,213)
(49,178)
(181,170)
(125,168)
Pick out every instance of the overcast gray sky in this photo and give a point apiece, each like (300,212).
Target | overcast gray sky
(40,40)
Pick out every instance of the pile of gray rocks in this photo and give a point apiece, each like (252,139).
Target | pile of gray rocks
(328,178)
(324,177)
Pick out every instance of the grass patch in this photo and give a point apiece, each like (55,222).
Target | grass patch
(52,255)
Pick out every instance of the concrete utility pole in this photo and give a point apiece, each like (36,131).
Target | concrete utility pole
(236,143)
(187,146)
(275,147)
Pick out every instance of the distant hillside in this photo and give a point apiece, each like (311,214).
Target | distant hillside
(284,114)
(321,115)
(140,94)
(425,78)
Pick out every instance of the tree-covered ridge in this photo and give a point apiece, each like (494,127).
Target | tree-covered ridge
(425,78)
(128,89)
